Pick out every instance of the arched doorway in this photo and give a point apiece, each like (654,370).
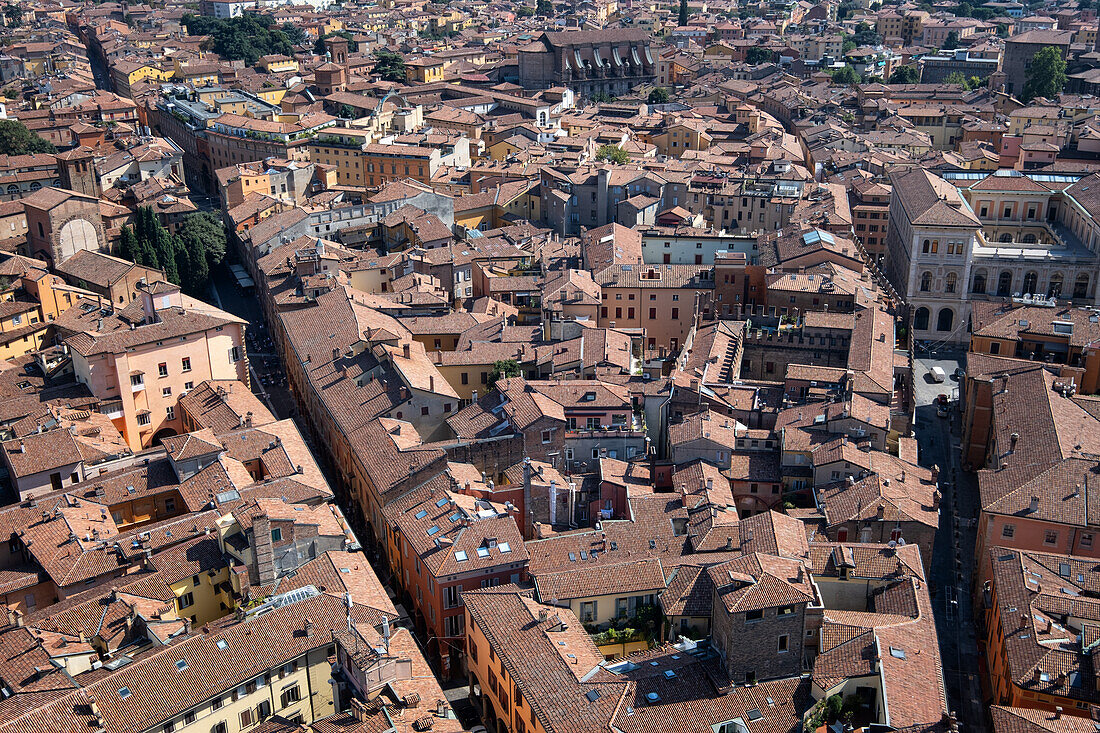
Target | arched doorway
(945,319)
(920,319)
(161,434)
(979,283)
(1054,288)
(1031,279)
(1081,286)
(1004,283)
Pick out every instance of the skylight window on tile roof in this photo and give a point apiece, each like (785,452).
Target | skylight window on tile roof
(124,692)
(442,502)
(460,556)
(181,665)
(584,554)
(455,517)
(897,653)
(1064,570)
(421,514)
(483,552)
(504,548)
(221,644)
(572,557)
(754,714)
(433,530)
(592,695)
(669,674)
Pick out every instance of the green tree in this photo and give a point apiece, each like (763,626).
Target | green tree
(599,97)
(613,153)
(1047,75)
(846,75)
(544,8)
(758,55)
(389,65)
(204,232)
(848,45)
(659,95)
(294,33)
(246,37)
(525,11)
(951,42)
(955,77)
(127,244)
(16,139)
(13,15)
(904,75)
(865,35)
(844,10)
(503,369)
(683,19)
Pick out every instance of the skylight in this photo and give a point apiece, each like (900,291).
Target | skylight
(483,552)
(754,714)
(897,653)
(421,514)
(442,502)
(504,547)
(460,556)
(181,665)
(433,530)
(124,692)
(592,695)
(221,644)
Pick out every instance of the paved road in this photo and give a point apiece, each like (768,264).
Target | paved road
(950,575)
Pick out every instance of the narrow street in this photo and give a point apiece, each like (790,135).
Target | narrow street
(951,573)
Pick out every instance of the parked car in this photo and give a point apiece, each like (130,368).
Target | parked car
(937,374)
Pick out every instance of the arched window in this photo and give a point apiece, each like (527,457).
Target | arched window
(1081,286)
(945,319)
(920,319)
(926,247)
(1030,281)
(979,283)
(1006,237)
(13,189)
(950,283)
(1054,289)
(1029,238)
(35,185)
(1004,283)
(926,282)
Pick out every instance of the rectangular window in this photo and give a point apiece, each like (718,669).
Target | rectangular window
(754,615)
(143,418)
(450,596)
(186,600)
(1008,531)
(219,728)
(290,696)
(136,380)
(247,718)
(1050,537)
(784,643)
(162,370)
(186,363)
(1086,540)
(588,611)
(545,437)
(170,412)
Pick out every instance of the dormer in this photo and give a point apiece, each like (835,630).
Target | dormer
(192,452)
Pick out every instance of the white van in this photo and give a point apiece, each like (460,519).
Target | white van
(937,374)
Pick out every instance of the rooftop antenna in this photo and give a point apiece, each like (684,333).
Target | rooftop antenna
(386,632)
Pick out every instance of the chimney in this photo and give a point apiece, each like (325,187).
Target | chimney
(935,473)
(936,498)
(263,550)
(1034,505)
(431,383)
(881,512)
(543,615)
(358,710)
(405,350)
(1058,713)
(1013,440)
(729,543)
(309,627)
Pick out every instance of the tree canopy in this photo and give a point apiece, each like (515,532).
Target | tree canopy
(659,95)
(846,75)
(16,139)
(390,66)
(1047,75)
(683,18)
(544,8)
(13,15)
(904,75)
(758,55)
(247,37)
(294,33)
(185,258)
(503,369)
(613,153)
